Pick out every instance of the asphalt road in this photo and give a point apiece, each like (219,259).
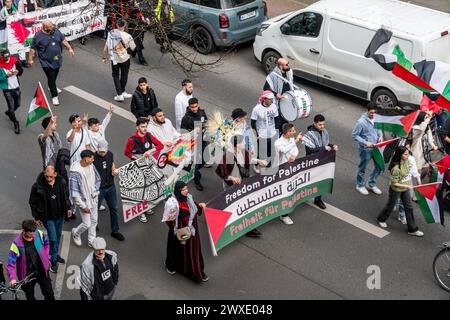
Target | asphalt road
(318,257)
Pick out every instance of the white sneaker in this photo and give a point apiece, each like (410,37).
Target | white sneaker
(375,190)
(286,220)
(402,220)
(119,98)
(102,208)
(149,212)
(207,165)
(76,239)
(362,190)
(126,95)
(57,90)
(418,233)
(55,101)
(143,218)
(256,169)
(382,224)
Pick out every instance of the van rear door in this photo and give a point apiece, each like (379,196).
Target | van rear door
(301,37)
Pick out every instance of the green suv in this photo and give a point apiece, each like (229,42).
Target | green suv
(218,23)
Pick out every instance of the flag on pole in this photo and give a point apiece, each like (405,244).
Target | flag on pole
(438,171)
(429,200)
(382,154)
(431,77)
(393,122)
(39,106)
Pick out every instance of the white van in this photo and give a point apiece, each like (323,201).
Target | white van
(326,41)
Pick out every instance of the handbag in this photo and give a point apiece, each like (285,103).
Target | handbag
(183,234)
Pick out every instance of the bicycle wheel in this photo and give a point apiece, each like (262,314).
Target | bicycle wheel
(441,268)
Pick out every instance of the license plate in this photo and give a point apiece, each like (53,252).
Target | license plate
(248,15)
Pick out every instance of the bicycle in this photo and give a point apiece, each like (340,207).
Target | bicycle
(437,133)
(16,289)
(441,266)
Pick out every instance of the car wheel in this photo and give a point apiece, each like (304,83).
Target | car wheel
(385,99)
(269,61)
(202,40)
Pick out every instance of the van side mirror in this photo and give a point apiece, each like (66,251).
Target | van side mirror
(285,28)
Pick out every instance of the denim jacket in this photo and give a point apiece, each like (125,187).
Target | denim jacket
(365,131)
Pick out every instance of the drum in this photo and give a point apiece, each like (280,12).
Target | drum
(295,105)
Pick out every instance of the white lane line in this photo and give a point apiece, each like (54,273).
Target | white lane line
(100,102)
(333,211)
(9,231)
(65,246)
(351,219)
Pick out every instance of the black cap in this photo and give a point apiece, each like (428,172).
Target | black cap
(238,113)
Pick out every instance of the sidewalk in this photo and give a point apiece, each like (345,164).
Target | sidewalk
(277,7)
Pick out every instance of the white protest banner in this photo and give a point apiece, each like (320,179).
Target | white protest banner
(261,198)
(74,20)
(147,181)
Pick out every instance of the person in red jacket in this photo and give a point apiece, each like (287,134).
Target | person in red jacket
(143,144)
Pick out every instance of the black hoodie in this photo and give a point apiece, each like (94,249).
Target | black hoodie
(189,119)
(42,192)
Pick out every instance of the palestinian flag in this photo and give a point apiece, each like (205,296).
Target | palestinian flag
(438,171)
(216,220)
(388,54)
(39,106)
(429,200)
(383,151)
(437,74)
(398,124)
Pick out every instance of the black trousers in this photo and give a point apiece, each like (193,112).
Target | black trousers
(52,74)
(138,37)
(405,196)
(12,97)
(120,75)
(46,288)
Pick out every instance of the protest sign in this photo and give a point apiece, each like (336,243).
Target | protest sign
(262,198)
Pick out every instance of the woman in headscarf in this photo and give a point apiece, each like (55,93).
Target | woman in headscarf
(419,129)
(181,211)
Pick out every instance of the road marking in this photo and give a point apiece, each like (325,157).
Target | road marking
(331,210)
(100,102)
(65,246)
(351,219)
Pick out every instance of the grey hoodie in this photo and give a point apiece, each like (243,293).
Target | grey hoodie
(365,131)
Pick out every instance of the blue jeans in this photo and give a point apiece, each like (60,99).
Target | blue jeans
(365,156)
(54,231)
(109,194)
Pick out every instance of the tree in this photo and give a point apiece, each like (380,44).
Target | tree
(188,60)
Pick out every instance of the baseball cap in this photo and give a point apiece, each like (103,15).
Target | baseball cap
(103,146)
(99,244)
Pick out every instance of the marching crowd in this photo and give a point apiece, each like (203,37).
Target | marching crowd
(76,181)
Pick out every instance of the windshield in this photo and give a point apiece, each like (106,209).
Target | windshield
(228,4)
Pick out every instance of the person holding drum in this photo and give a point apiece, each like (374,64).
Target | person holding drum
(318,140)
(265,121)
(293,102)
(279,81)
